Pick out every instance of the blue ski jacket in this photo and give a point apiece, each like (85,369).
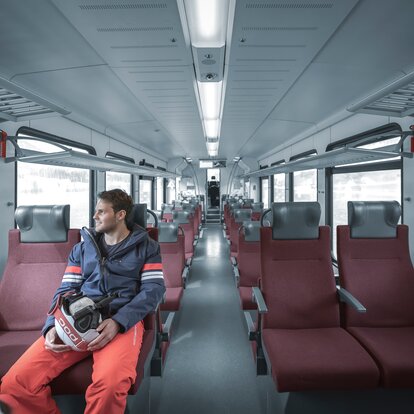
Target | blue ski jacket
(134,273)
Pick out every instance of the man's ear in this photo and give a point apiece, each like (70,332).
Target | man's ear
(121,215)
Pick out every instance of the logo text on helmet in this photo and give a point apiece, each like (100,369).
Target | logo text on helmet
(73,337)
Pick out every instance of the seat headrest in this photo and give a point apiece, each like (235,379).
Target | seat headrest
(251,231)
(296,221)
(188,207)
(167,208)
(138,216)
(43,224)
(248,203)
(234,206)
(257,206)
(167,232)
(373,219)
(181,216)
(242,214)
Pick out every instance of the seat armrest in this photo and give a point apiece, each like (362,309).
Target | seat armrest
(233,261)
(349,299)
(236,275)
(251,329)
(259,299)
(184,276)
(188,261)
(166,327)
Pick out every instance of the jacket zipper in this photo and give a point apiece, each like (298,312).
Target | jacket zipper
(102,261)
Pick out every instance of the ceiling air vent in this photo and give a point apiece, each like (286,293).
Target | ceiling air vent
(130,6)
(289,5)
(396,99)
(17,104)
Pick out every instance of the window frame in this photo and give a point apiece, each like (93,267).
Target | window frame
(291,180)
(113,155)
(55,139)
(364,139)
(147,178)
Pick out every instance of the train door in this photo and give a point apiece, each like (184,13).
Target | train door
(213,187)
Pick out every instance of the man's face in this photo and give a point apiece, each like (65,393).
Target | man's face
(106,219)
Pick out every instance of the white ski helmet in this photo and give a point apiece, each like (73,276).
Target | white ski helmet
(76,320)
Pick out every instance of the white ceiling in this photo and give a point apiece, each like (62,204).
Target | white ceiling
(124,67)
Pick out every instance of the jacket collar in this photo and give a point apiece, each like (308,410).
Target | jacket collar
(138,235)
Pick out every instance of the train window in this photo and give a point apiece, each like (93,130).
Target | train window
(116,179)
(264,191)
(279,186)
(170,190)
(145,191)
(368,181)
(160,192)
(247,188)
(304,183)
(50,184)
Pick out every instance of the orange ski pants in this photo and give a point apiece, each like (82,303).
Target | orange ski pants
(114,371)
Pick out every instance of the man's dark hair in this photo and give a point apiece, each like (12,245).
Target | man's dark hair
(119,199)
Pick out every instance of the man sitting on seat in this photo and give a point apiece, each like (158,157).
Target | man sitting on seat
(112,260)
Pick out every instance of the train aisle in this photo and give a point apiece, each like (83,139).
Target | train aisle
(209,367)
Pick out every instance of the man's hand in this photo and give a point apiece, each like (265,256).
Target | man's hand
(107,329)
(54,343)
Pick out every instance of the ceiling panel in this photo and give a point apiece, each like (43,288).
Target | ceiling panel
(123,67)
(94,91)
(143,43)
(34,37)
(272,45)
(271,134)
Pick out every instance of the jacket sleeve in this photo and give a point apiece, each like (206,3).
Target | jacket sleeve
(151,291)
(72,281)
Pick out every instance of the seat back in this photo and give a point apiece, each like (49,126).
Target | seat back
(35,265)
(172,245)
(138,216)
(247,203)
(239,215)
(191,208)
(257,210)
(186,222)
(166,212)
(375,265)
(248,259)
(297,277)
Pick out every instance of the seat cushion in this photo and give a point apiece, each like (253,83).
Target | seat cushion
(12,345)
(318,359)
(393,349)
(246,301)
(172,299)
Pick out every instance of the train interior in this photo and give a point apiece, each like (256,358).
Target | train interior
(267,145)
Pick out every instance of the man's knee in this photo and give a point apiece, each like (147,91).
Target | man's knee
(113,384)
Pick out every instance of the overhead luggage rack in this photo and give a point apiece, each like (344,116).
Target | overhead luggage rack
(18,104)
(341,156)
(67,157)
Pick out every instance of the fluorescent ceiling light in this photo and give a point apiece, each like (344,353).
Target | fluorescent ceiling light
(211,127)
(210,97)
(212,146)
(213,153)
(207,21)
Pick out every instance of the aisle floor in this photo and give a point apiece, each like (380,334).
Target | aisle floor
(209,367)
